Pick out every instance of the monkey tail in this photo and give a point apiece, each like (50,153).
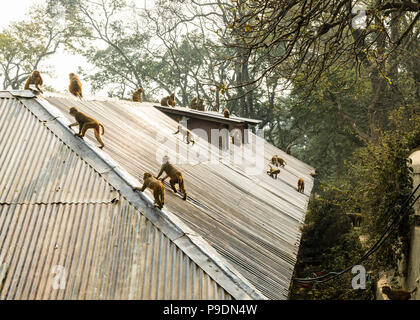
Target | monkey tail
(103,129)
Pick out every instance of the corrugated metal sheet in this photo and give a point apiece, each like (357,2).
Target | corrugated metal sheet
(63,237)
(252,221)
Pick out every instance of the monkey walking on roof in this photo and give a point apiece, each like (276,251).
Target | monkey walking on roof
(157,186)
(174,174)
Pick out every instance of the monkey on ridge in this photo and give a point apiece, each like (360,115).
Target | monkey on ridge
(157,186)
(86,122)
(226,113)
(168,100)
(193,103)
(200,105)
(137,95)
(75,86)
(174,174)
(36,79)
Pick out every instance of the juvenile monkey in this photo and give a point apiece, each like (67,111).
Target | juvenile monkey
(85,122)
(36,79)
(175,176)
(157,186)
(185,134)
(75,86)
(200,105)
(273,172)
(397,294)
(226,113)
(137,95)
(168,100)
(193,103)
(301,185)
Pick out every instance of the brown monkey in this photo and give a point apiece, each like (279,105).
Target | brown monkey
(185,134)
(85,122)
(273,172)
(193,103)
(36,79)
(356,218)
(301,185)
(168,101)
(171,100)
(75,86)
(175,176)
(137,95)
(226,113)
(288,149)
(154,184)
(200,105)
(215,108)
(397,294)
(277,161)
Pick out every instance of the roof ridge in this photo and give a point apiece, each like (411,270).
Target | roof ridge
(191,243)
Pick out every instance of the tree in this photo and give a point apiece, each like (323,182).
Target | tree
(314,38)
(26,45)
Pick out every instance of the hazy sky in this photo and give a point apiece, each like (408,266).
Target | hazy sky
(63,63)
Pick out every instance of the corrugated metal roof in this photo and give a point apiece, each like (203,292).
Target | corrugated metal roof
(252,221)
(59,217)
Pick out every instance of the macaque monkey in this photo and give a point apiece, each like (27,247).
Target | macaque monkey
(273,172)
(193,103)
(215,108)
(356,218)
(200,105)
(277,161)
(157,186)
(85,122)
(397,294)
(226,113)
(185,134)
(175,176)
(168,100)
(75,86)
(137,95)
(288,149)
(301,185)
(36,79)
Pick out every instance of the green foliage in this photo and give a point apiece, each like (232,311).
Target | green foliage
(381,180)
(26,45)
(377,181)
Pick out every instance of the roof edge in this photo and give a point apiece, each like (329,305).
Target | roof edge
(209,116)
(191,243)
